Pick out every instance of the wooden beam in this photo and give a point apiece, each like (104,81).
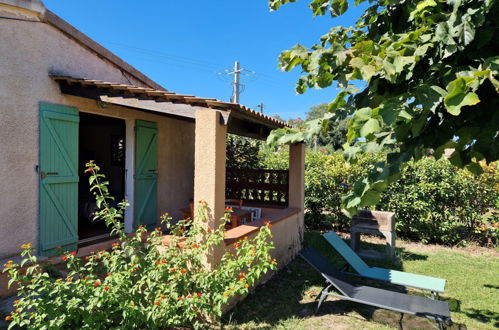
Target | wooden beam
(248,129)
(182,110)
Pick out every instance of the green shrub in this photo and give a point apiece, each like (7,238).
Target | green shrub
(327,178)
(143,282)
(243,152)
(433,200)
(436,202)
(275,160)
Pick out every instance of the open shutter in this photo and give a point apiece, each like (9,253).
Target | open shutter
(58,172)
(146,174)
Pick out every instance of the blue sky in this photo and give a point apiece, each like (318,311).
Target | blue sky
(182,45)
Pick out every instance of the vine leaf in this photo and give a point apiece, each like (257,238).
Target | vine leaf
(458,95)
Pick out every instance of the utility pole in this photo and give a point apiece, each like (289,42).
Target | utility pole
(235,85)
(239,74)
(261,107)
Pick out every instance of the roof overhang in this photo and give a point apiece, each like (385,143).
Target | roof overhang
(240,119)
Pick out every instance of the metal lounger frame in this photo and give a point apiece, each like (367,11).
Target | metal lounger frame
(337,281)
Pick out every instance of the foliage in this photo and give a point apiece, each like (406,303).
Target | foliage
(432,200)
(316,112)
(144,281)
(296,122)
(327,178)
(275,160)
(336,136)
(430,70)
(243,152)
(278,117)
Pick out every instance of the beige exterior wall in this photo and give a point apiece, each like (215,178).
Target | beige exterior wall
(29,52)
(288,238)
(209,177)
(288,234)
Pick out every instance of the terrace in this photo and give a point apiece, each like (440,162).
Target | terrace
(274,196)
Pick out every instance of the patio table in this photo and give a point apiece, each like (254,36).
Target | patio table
(238,217)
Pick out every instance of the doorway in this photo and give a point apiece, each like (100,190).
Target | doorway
(101,139)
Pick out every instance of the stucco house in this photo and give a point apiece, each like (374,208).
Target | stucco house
(66,100)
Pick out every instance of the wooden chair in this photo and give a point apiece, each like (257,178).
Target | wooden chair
(231,201)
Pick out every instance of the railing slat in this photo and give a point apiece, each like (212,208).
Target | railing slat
(268,187)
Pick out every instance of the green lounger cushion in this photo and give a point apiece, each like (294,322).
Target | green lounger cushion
(392,276)
(346,252)
(406,279)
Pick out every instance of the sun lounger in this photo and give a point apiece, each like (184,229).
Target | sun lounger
(433,284)
(395,301)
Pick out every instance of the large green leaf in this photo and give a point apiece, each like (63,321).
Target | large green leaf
(371,126)
(466,30)
(430,97)
(421,6)
(275,4)
(459,96)
(319,7)
(338,7)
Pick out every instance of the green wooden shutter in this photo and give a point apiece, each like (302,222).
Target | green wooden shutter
(58,172)
(146,174)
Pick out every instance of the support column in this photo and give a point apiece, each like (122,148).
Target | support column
(297,184)
(209,170)
(297,175)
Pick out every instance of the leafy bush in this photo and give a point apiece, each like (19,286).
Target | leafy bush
(243,152)
(144,281)
(327,178)
(275,160)
(436,202)
(433,200)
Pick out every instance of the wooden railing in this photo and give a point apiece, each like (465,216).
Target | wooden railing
(265,187)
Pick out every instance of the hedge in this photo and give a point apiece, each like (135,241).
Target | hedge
(434,201)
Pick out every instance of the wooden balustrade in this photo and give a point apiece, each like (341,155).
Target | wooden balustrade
(265,187)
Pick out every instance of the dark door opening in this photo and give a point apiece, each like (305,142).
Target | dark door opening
(102,139)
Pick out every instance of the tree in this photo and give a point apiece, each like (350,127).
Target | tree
(296,122)
(316,111)
(276,116)
(336,136)
(431,83)
(243,152)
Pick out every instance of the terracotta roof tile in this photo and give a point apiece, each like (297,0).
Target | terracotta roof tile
(187,99)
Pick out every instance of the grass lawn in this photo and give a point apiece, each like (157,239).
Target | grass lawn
(287,301)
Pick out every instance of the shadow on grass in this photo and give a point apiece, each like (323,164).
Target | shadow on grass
(291,295)
(484,316)
(315,239)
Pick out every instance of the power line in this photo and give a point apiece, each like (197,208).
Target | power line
(190,60)
(172,64)
(172,57)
